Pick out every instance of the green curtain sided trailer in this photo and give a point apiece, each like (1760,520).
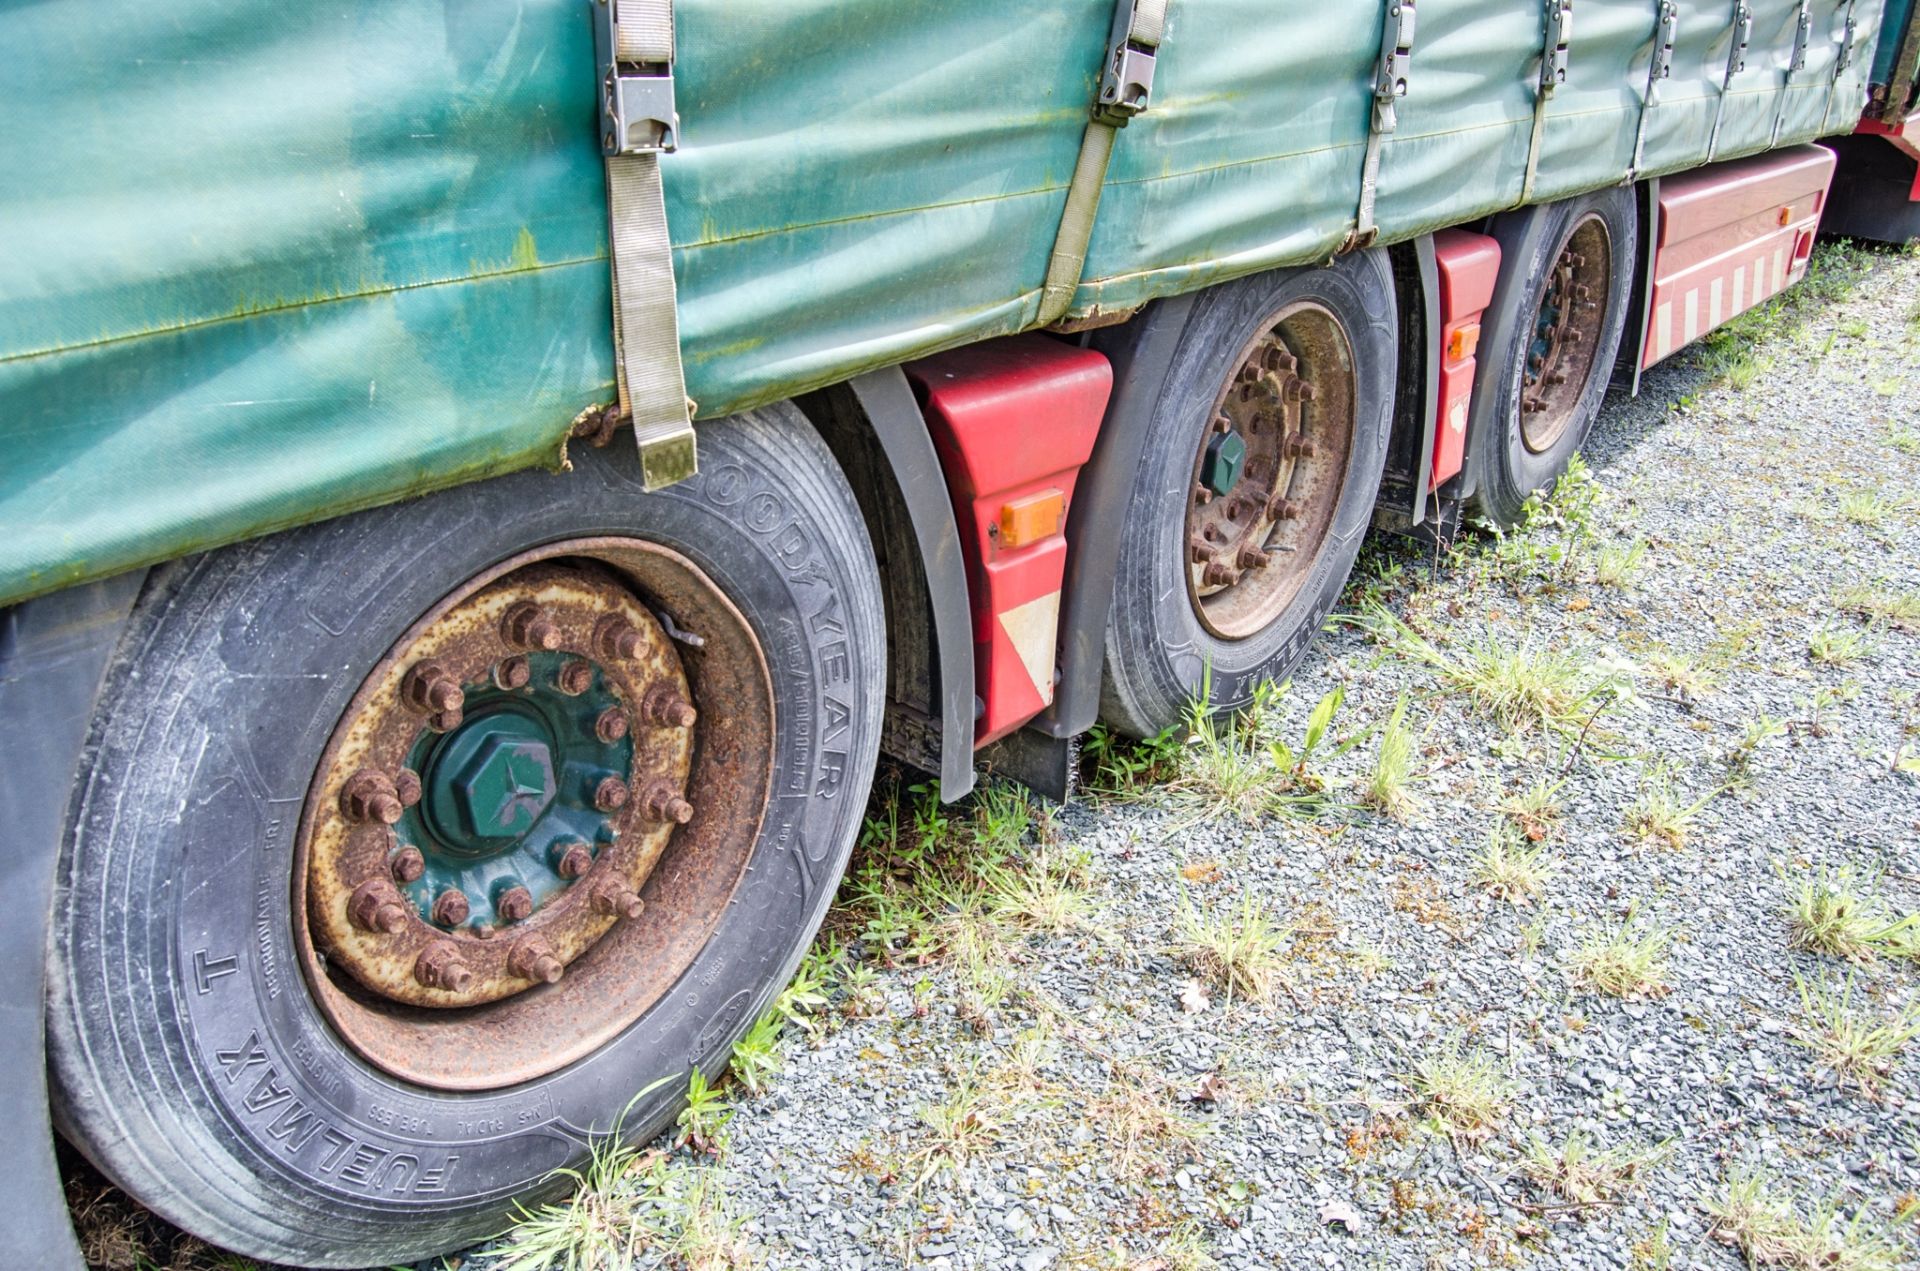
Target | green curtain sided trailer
(405,765)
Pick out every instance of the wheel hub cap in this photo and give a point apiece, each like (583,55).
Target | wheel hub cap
(528,807)
(1566,335)
(1269,473)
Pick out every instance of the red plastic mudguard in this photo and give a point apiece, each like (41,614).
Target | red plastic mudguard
(1469,264)
(1731,236)
(1013,421)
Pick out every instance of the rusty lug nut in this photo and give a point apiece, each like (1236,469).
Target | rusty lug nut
(1234,508)
(610,795)
(1198,551)
(1202,494)
(515,904)
(450,908)
(1222,424)
(1283,510)
(445,721)
(612,895)
(429,687)
(614,639)
(407,865)
(439,966)
(611,726)
(529,626)
(369,795)
(664,706)
(1556,379)
(1217,575)
(575,677)
(1572,335)
(376,906)
(571,860)
(512,672)
(1252,557)
(533,960)
(406,784)
(661,802)
(1299,447)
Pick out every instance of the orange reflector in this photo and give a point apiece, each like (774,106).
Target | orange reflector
(1786,215)
(1463,342)
(1030,519)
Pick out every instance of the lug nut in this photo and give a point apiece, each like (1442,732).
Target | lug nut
(571,860)
(445,721)
(1298,446)
(512,673)
(1217,575)
(406,784)
(429,687)
(612,895)
(611,726)
(575,677)
(514,904)
(376,906)
(614,639)
(529,626)
(1202,494)
(1283,509)
(407,865)
(534,960)
(610,794)
(1252,557)
(1198,550)
(370,795)
(450,908)
(439,966)
(664,706)
(661,802)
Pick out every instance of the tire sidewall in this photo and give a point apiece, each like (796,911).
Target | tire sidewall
(195,799)
(1530,242)
(1159,654)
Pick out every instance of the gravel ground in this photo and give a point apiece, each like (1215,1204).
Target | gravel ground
(1056,1083)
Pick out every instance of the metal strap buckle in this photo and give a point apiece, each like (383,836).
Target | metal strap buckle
(1669,27)
(1845,59)
(636,98)
(1126,83)
(1742,36)
(1396,62)
(1553,64)
(1802,32)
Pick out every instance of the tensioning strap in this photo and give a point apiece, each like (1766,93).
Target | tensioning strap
(1125,84)
(635,44)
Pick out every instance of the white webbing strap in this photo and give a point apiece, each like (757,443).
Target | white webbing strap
(646,326)
(1139,28)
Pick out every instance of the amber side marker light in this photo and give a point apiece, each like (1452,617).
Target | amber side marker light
(1031,518)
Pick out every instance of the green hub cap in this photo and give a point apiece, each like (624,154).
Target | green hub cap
(1226,458)
(507,792)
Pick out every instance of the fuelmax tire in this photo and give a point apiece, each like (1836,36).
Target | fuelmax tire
(326,1068)
(1255,488)
(1557,315)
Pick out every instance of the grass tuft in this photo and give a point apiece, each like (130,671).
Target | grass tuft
(1657,814)
(1519,686)
(1623,961)
(1831,914)
(1769,1231)
(1512,869)
(1239,951)
(1389,784)
(1854,1045)
(1462,1092)
(1581,1173)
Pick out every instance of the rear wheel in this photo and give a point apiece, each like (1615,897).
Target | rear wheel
(1255,488)
(418,842)
(1558,313)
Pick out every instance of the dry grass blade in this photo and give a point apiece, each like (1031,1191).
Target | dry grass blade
(1239,951)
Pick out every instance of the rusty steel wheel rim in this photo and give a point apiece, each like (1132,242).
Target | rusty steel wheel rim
(1566,334)
(532,815)
(1267,479)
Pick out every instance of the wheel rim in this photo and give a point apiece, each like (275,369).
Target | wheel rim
(530,817)
(1267,479)
(1566,334)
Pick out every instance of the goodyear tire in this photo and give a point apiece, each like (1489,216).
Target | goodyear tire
(1558,258)
(1228,567)
(192,1060)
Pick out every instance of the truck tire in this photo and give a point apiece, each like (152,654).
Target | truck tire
(1255,486)
(1557,315)
(267,1021)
